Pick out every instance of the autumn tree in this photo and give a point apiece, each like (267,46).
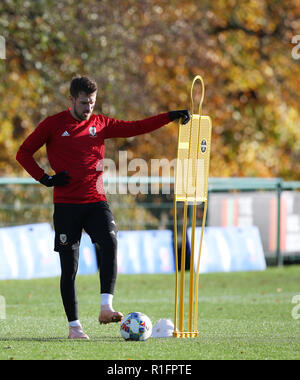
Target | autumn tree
(144,55)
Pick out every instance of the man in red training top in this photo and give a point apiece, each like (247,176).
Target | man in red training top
(75,144)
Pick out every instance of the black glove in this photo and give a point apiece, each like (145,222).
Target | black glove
(184,114)
(60,179)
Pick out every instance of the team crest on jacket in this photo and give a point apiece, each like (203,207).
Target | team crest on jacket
(63,239)
(93,131)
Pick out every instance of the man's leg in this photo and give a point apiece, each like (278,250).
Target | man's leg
(100,225)
(67,224)
(69,267)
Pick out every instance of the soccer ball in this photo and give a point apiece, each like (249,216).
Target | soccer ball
(136,326)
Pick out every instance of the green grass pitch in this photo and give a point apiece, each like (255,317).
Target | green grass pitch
(242,315)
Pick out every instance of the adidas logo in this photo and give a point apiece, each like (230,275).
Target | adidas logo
(66,133)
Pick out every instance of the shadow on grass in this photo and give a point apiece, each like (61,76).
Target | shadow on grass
(102,339)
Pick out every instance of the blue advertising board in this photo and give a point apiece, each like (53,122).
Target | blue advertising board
(27,252)
(227,249)
(145,251)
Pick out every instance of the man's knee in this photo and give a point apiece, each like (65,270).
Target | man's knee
(69,262)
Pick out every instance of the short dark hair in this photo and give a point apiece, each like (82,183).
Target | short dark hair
(82,84)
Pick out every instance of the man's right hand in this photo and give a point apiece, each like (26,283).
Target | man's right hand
(60,179)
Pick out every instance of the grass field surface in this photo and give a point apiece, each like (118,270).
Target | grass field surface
(242,315)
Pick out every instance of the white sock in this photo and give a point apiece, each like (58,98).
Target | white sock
(106,301)
(75,323)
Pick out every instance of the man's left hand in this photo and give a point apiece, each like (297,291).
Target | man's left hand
(181,114)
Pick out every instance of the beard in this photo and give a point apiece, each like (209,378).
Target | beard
(82,116)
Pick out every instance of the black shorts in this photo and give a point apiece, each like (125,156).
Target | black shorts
(70,219)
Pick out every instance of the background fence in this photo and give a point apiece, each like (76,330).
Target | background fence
(273,205)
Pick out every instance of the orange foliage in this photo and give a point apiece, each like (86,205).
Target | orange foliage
(144,55)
